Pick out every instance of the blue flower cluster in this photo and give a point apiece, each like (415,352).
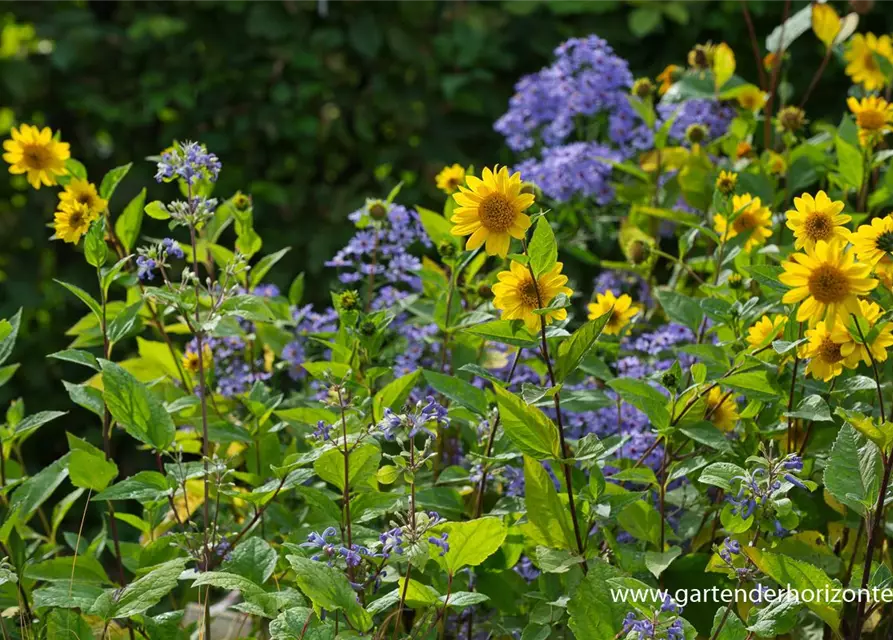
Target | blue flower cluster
(307,323)
(232,370)
(189,161)
(578,169)
(757,487)
(380,248)
(330,551)
(586,79)
(648,628)
(416,420)
(714,116)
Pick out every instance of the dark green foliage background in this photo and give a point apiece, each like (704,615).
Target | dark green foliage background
(311,106)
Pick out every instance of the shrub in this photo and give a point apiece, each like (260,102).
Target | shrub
(471,440)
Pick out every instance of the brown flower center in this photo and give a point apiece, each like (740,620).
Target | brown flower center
(829,351)
(76,219)
(868,61)
(529,295)
(828,284)
(871,119)
(745,222)
(818,226)
(36,157)
(884,242)
(496,212)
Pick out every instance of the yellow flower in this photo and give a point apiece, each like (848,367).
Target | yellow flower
(517,295)
(862,67)
(449,179)
(776,164)
(814,219)
(827,280)
(750,98)
(722,409)
(667,77)
(825,23)
(34,152)
(765,330)
(190,359)
(852,350)
(825,358)
(790,119)
(82,192)
(874,241)
(726,181)
(491,211)
(873,116)
(622,310)
(884,271)
(73,221)
(701,57)
(750,218)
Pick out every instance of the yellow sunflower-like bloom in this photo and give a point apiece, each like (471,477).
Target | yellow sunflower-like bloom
(190,359)
(726,181)
(83,192)
(776,164)
(765,330)
(517,295)
(825,358)
(73,221)
(873,117)
(35,153)
(814,219)
(827,281)
(722,409)
(750,217)
(622,310)
(751,98)
(874,241)
(862,67)
(450,178)
(884,271)
(491,211)
(852,350)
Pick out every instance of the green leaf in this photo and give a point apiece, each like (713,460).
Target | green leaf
(511,332)
(329,589)
(124,322)
(140,595)
(85,297)
(264,265)
(572,350)
(462,599)
(801,576)
(81,569)
(545,510)
(296,290)
(66,595)
(136,408)
(528,427)
(95,249)
(812,407)
(778,617)
(644,397)
(145,486)
(755,383)
(78,357)
(157,210)
(644,20)
(87,466)
(642,521)
(720,474)
(364,461)
(85,396)
(543,250)
(437,227)
(594,614)
(459,391)
(112,179)
(128,224)
(33,422)
(680,308)
(64,624)
(9,329)
(854,469)
(470,542)
(34,491)
(657,562)
(849,163)
(394,394)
